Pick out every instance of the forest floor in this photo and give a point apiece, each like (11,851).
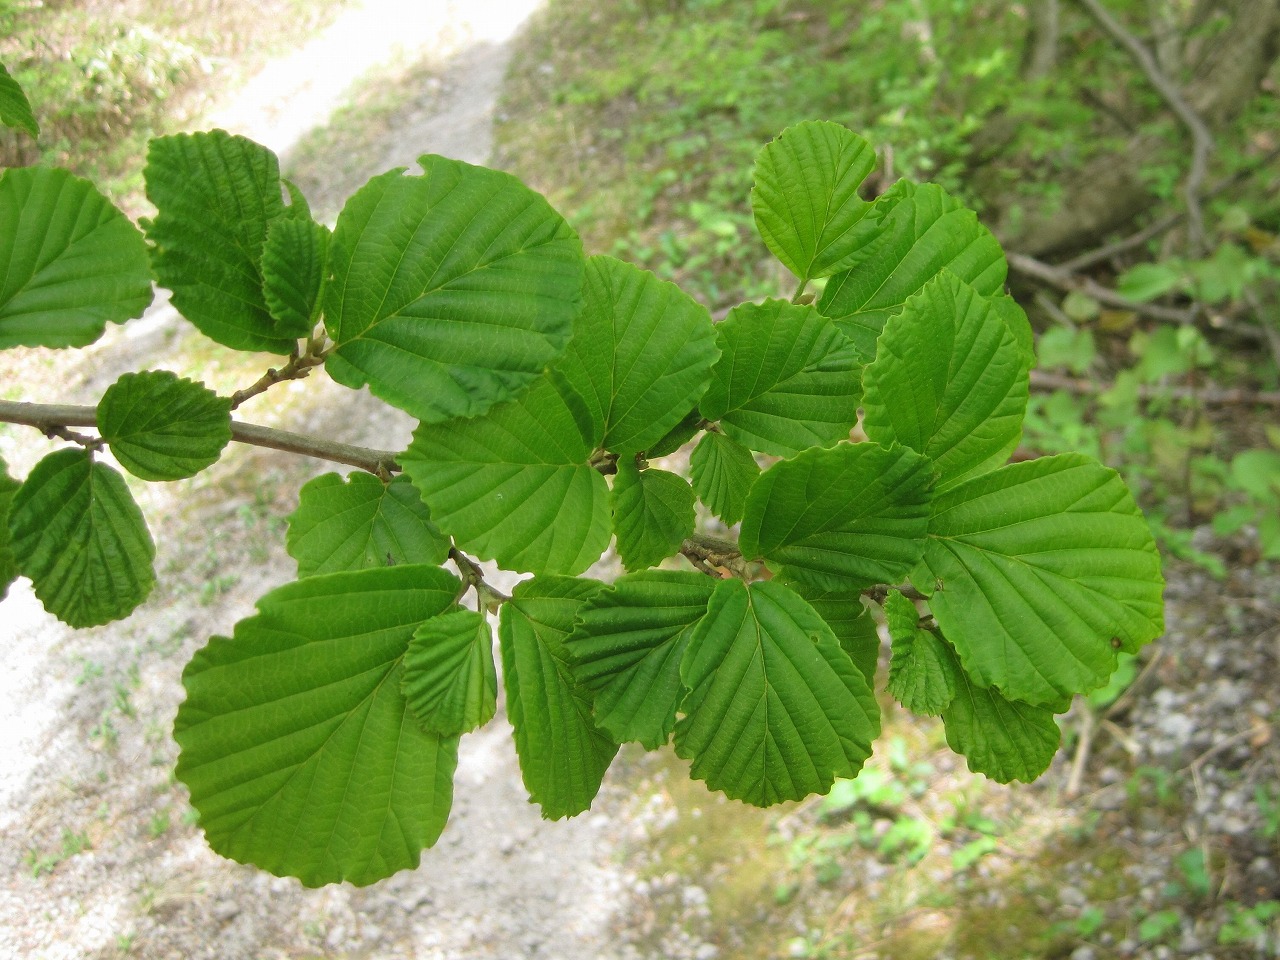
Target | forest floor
(1156,833)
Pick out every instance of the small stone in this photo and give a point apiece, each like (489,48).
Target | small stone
(1072,897)
(1083,953)
(693,896)
(707,951)
(224,910)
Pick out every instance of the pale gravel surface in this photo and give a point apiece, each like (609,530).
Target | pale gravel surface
(85,716)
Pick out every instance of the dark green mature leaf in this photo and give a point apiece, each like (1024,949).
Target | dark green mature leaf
(723,471)
(15,109)
(78,535)
(1035,569)
(563,754)
(677,436)
(361,522)
(514,485)
(949,381)
(923,674)
(805,196)
(1005,739)
(8,565)
(163,427)
(70,262)
(910,235)
(843,518)
(776,710)
(216,195)
(295,727)
(652,514)
(786,380)
(627,646)
(449,679)
(641,354)
(451,291)
(851,621)
(294,259)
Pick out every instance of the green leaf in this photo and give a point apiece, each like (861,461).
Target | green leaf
(676,437)
(451,291)
(652,514)
(805,196)
(1038,572)
(786,380)
(1005,739)
(70,262)
(626,649)
(449,679)
(909,236)
(948,381)
(361,522)
(843,518)
(163,427)
(776,710)
(15,109)
(295,727)
(1015,318)
(851,621)
(216,195)
(8,564)
(563,754)
(294,259)
(76,532)
(514,485)
(640,356)
(723,471)
(923,674)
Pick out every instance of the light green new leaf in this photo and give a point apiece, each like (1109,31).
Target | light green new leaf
(70,262)
(163,427)
(776,710)
(1005,739)
(851,621)
(15,109)
(1035,569)
(909,236)
(78,535)
(8,565)
(923,674)
(949,381)
(514,485)
(842,518)
(652,514)
(216,195)
(449,679)
(294,259)
(805,196)
(723,471)
(563,754)
(640,355)
(361,522)
(786,379)
(627,646)
(451,291)
(300,752)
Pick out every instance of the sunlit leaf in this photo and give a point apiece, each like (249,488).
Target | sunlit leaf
(449,679)
(163,427)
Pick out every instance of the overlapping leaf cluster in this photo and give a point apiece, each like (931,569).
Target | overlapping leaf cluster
(860,442)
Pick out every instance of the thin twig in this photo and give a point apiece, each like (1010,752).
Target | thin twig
(1066,280)
(488,597)
(707,553)
(1081,758)
(298,367)
(1201,139)
(47,417)
(880,593)
(1208,396)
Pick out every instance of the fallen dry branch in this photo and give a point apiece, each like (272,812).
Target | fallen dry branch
(1208,396)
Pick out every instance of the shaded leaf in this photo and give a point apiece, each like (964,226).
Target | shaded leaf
(626,649)
(449,678)
(923,674)
(293,274)
(652,514)
(361,522)
(723,471)
(563,754)
(1004,739)
(163,427)
(8,565)
(786,379)
(15,109)
(851,621)
(451,291)
(295,727)
(70,262)
(78,535)
(776,710)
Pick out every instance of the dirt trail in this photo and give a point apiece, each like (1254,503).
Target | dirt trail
(97,856)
